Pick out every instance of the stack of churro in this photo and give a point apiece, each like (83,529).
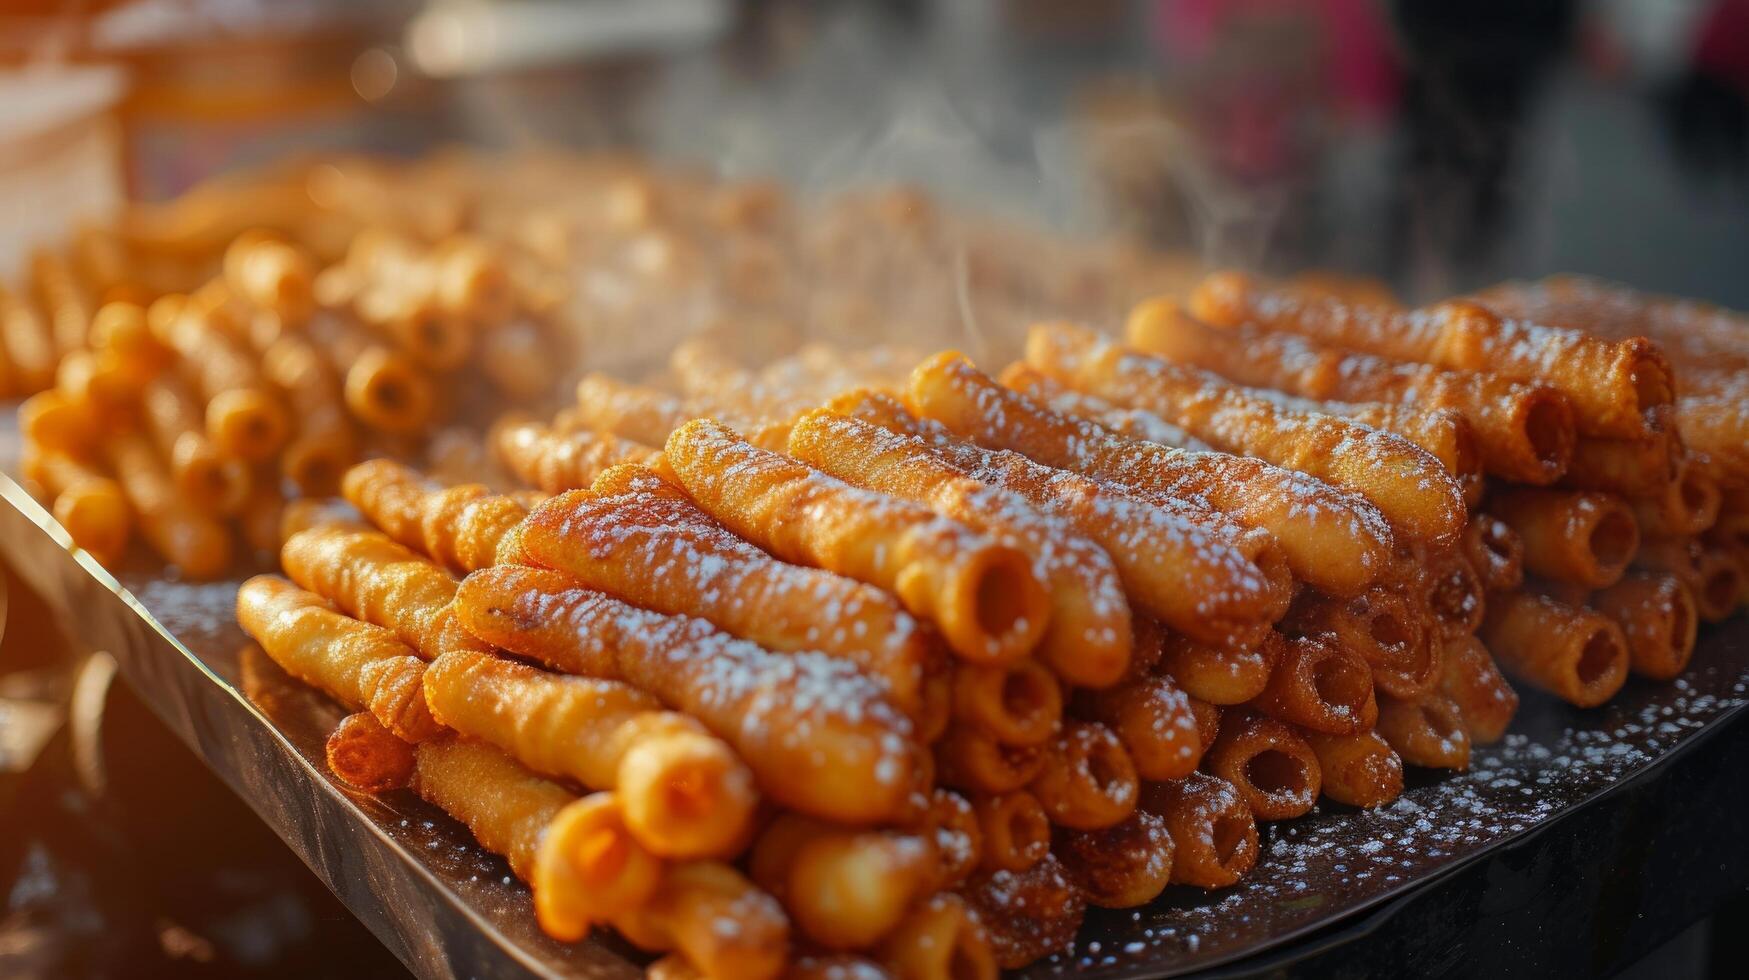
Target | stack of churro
(866,658)
(190,417)
(1607,459)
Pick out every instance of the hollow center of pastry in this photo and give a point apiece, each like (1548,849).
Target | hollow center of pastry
(1545,426)
(1613,539)
(1339,682)
(1023,695)
(1104,770)
(1227,835)
(602,853)
(256,429)
(1651,385)
(1387,630)
(1597,658)
(1001,598)
(1276,773)
(390,394)
(1497,540)
(1018,759)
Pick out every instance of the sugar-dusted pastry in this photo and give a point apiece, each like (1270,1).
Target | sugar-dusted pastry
(981,593)
(1331,538)
(360,665)
(819,737)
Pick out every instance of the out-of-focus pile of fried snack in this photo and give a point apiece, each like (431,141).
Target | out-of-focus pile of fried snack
(631,514)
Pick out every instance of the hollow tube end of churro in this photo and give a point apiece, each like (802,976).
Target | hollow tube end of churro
(246,423)
(588,868)
(994,609)
(1597,666)
(384,391)
(685,794)
(316,464)
(210,481)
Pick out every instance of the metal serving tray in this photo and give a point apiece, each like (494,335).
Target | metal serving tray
(449,909)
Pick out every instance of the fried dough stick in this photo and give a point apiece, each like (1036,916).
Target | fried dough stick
(629,411)
(461,527)
(206,477)
(819,737)
(639,539)
(324,445)
(1495,553)
(1088,641)
(1692,333)
(682,790)
(1319,685)
(382,387)
(1614,387)
(271,274)
(1331,539)
(1197,572)
(1523,431)
(1583,538)
(179,532)
(1268,762)
(1155,720)
(1472,680)
(371,577)
(368,757)
(360,665)
(1394,635)
(555,461)
(845,888)
(1444,433)
(1213,831)
(1575,654)
(1658,615)
(1407,485)
(1360,769)
(576,854)
(718,919)
(1029,914)
(981,593)
(1718,426)
(243,418)
(90,505)
(941,939)
(1121,866)
(1689,504)
(30,347)
(1712,575)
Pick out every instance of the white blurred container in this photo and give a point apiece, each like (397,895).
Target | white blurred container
(60,153)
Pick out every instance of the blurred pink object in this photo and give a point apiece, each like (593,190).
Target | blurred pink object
(1360,69)
(1722,44)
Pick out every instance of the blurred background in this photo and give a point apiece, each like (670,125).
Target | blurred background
(1439,146)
